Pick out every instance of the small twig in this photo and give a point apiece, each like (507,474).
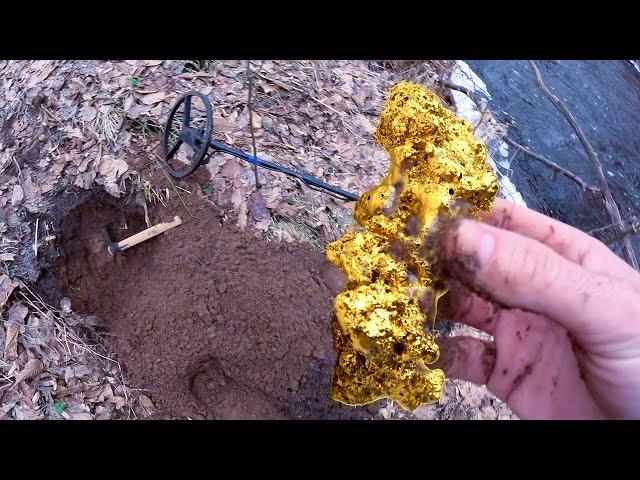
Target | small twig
(635,228)
(460,88)
(481,121)
(604,227)
(174,187)
(249,106)
(553,165)
(52,115)
(280,144)
(91,145)
(35,242)
(300,90)
(315,74)
(572,176)
(18,167)
(146,212)
(609,202)
(75,339)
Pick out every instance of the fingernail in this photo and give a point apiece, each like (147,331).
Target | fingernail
(487,246)
(469,247)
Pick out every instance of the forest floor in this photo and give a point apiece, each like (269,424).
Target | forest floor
(87,336)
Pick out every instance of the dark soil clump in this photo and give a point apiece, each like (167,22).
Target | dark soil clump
(210,321)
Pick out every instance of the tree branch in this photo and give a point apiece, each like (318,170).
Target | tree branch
(609,202)
(635,228)
(604,227)
(462,89)
(553,165)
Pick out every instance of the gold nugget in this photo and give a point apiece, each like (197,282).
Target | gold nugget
(379,332)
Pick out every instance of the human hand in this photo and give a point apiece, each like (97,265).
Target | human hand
(564,312)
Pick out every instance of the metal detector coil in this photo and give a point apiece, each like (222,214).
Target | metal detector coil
(196,135)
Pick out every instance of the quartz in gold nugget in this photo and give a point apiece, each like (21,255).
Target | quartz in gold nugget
(437,170)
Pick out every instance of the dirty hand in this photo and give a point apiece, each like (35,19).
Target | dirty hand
(563,310)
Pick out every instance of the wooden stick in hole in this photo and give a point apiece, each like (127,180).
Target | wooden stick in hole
(143,235)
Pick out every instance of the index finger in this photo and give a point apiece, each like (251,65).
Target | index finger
(565,240)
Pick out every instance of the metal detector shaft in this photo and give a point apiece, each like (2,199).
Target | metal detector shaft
(312,182)
(200,141)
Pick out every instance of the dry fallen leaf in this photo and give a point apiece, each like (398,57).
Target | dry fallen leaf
(222,124)
(232,169)
(17,196)
(76,371)
(17,313)
(12,369)
(85,180)
(33,369)
(87,114)
(257,122)
(360,97)
(80,416)
(128,103)
(267,88)
(240,206)
(112,168)
(42,70)
(74,132)
(146,403)
(105,391)
(365,124)
(6,287)
(11,341)
(119,402)
(242,215)
(258,207)
(153,98)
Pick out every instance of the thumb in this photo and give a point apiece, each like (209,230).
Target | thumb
(518,271)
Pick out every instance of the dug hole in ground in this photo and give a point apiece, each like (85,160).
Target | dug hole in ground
(211,321)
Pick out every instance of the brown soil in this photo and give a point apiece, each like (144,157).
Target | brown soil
(210,321)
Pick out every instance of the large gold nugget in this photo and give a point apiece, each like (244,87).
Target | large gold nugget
(379,331)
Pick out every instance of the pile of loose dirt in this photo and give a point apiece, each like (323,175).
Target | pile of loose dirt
(211,321)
